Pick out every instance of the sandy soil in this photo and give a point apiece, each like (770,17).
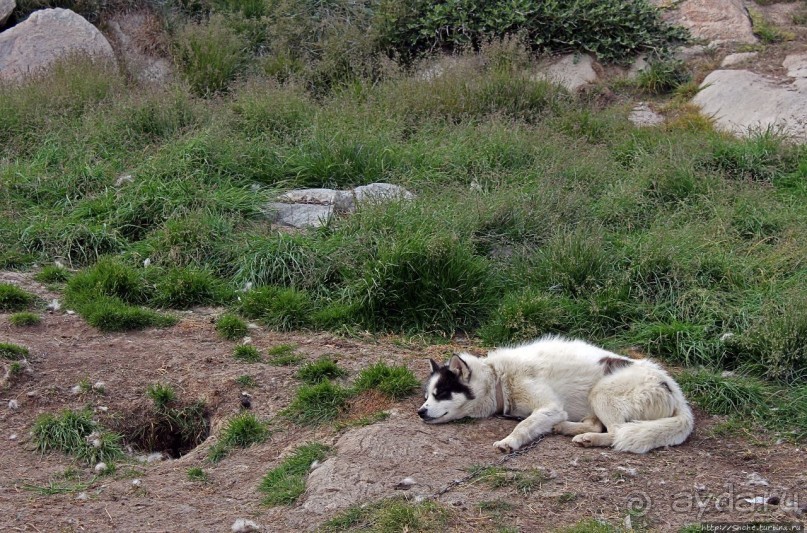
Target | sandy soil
(708,478)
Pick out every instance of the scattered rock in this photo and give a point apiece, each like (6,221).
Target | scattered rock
(717,21)
(630,472)
(100,468)
(300,215)
(82,496)
(45,37)
(643,116)
(13,436)
(755,480)
(735,59)
(572,71)
(75,389)
(13,405)
(123,179)
(342,201)
(243,525)
(136,482)
(405,484)
(685,53)
(6,7)
(99,386)
(700,487)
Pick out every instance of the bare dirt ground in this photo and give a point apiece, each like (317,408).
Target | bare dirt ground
(708,478)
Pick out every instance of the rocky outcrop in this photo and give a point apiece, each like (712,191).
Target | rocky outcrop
(741,101)
(717,21)
(6,8)
(312,208)
(46,37)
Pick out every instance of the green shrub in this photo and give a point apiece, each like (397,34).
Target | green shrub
(397,382)
(111,278)
(315,404)
(231,327)
(610,29)
(12,298)
(320,370)
(111,314)
(210,55)
(24,319)
(285,483)
(247,353)
(12,352)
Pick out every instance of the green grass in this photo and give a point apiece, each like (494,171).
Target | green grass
(320,370)
(590,526)
(12,352)
(285,483)
(198,475)
(247,353)
(283,355)
(246,381)
(68,432)
(162,394)
(523,482)
(767,32)
(12,298)
(391,515)
(316,404)
(231,327)
(397,382)
(52,274)
(24,319)
(241,431)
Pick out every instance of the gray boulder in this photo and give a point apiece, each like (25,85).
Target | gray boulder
(381,192)
(716,21)
(134,38)
(299,215)
(6,8)
(572,71)
(45,37)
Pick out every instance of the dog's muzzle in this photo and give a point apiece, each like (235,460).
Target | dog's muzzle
(422,413)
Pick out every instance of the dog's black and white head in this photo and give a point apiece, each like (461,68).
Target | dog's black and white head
(449,392)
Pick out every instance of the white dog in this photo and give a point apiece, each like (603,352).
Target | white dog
(601,398)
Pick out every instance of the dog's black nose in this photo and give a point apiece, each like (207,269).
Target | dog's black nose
(422,412)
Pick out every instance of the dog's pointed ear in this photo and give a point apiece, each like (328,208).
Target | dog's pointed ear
(434,365)
(460,368)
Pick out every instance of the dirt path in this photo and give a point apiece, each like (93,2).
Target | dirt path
(708,477)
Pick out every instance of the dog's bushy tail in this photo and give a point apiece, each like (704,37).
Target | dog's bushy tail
(643,436)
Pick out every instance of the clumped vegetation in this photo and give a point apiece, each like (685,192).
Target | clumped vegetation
(12,298)
(285,483)
(391,515)
(12,352)
(52,274)
(76,433)
(536,211)
(241,431)
(320,370)
(397,382)
(247,353)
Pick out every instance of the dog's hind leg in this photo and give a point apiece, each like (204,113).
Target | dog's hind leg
(590,424)
(538,423)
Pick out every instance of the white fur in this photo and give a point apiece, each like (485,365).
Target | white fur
(562,384)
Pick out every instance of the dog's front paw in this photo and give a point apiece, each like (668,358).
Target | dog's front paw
(506,445)
(583,440)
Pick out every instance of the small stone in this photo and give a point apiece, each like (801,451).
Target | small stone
(243,525)
(155,457)
(252,325)
(381,192)
(82,496)
(99,386)
(31,393)
(754,479)
(136,482)
(700,487)
(75,389)
(100,468)
(735,59)
(643,116)
(629,471)
(13,405)
(314,465)
(246,340)
(13,436)
(102,408)
(71,312)
(773,500)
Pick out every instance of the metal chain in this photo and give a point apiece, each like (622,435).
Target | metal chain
(457,482)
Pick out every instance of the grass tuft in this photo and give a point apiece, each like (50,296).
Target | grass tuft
(283,355)
(320,370)
(390,516)
(12,352)
(397,382)
(246,381)
(285,483)
(241,431)
(316,404)
(247,353)
(52,274)
(12,298)
(198,475)
(24,319)
(76,433)
(231,327)
(162,394)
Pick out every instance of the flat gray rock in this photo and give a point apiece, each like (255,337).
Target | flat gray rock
(381,192)
(341,200)
(572,71)
(741,101)
(45,37)
(299,215)
(6,8)
(735,59)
